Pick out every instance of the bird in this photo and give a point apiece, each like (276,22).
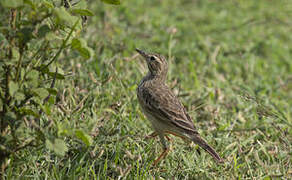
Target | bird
(164,110)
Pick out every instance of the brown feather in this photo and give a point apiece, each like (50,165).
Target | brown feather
(163,108)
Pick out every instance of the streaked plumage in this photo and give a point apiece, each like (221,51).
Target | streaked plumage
(164,110)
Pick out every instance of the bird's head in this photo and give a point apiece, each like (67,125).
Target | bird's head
(156,63)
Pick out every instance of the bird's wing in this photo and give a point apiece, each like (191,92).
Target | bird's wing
(163,105)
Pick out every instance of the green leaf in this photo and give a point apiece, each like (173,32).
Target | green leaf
(33,74)
(43,30)
(58,75)
(64,129)
(11,3)
(15,54)
(19,96)
(75,43)
(58,146)
(48,4)
(10,116)
(30,112)
(81,46)
(82,4)
(82,12)
(33,77)
(85,138)
(115,2)
(267,178)
(50,36)
(41,92)
(25,35)
(22,73)
(85,52)
(13,87)
(52,91)
(64,17)
(51,100)
(47,109)
(31,3)
(37,100)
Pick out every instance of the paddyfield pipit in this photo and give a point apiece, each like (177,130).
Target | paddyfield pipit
(164,110)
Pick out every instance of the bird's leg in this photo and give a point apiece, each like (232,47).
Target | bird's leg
(162,156)
(169,132)
(168,138)
(165,150)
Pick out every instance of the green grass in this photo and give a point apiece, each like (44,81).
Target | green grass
(230,64)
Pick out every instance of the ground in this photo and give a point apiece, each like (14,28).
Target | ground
(229,63)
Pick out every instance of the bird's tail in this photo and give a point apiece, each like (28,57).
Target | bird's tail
(203,144)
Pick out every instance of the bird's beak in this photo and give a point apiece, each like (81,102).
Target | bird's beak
(142,53)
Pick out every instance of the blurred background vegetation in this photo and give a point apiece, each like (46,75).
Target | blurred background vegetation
(69,72)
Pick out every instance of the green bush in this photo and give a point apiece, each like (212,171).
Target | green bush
(34,34)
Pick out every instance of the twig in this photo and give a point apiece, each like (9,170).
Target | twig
(62,46)
(52,86)
(19,64)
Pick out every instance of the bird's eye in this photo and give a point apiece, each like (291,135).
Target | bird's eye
(152,58)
